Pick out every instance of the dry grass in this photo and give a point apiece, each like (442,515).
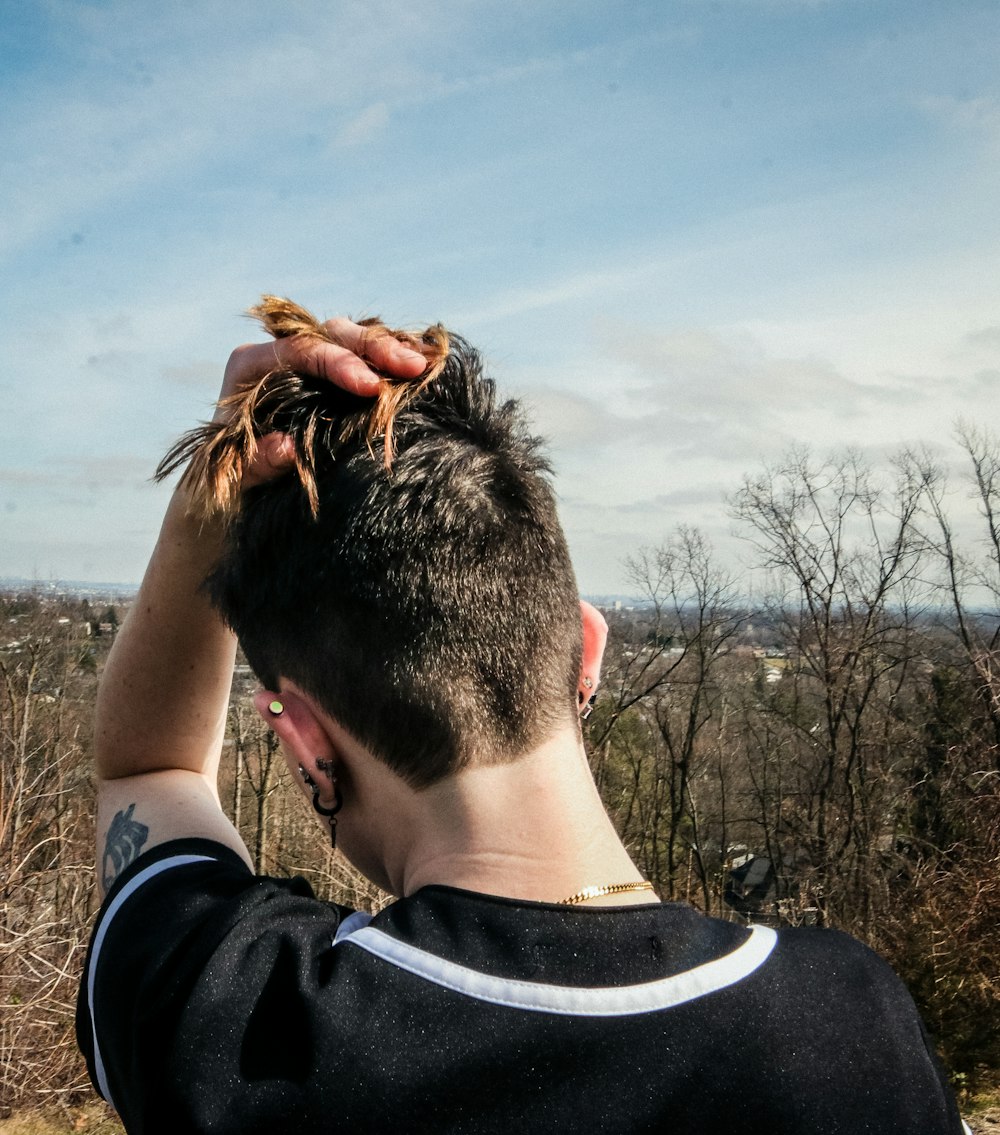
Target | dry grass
(984,1122)
(92,1118)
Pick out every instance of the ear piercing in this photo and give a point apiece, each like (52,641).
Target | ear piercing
(276,708)
(330,814)
(587,704)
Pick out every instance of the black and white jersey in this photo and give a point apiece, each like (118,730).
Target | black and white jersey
(217,1001)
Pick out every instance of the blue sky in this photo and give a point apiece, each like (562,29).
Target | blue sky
(689,233)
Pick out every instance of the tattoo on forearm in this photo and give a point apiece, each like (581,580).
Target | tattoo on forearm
(123,843)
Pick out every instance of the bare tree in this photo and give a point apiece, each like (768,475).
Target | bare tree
(844,554)
(257,765)
(659,700)
(46,854)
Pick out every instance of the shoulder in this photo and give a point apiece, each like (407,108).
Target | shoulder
(185,929)
(843,1002)
(197,884)
(831,1013)
(835,960)
(814,971)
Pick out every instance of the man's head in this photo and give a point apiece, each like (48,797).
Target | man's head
(427,604)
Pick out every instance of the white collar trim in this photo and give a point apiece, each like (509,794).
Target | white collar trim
(538,997)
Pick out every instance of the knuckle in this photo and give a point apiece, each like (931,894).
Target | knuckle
(340,328)
(238,354)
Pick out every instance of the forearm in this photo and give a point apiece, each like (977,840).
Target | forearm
(165,689)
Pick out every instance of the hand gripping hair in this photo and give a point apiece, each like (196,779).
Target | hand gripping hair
(318,416)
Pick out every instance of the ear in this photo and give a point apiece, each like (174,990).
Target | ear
(595,636)
(298,727)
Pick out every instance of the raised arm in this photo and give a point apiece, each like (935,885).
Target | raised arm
(161,706)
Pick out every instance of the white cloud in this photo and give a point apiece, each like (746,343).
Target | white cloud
(566,420)
(200,376)
(985,338)
(364,126)
(978,115)
(101,134)
(673,316)
(605,284)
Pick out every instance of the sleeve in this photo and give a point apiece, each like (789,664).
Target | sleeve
(867,1047)
(191,959)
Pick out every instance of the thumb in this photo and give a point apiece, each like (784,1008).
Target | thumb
(275,455)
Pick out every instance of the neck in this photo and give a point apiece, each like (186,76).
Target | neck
(533,829)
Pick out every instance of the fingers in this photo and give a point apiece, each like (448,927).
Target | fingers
(247,364)
(382,350)
(339,365)
(342,363)
(275,456)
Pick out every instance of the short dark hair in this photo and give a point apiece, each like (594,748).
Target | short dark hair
(430,607)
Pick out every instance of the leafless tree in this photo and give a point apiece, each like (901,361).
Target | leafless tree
(660,698)
(845,553)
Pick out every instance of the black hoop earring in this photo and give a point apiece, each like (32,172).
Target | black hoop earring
(329,814)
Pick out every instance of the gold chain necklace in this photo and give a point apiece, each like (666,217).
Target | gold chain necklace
(610,889)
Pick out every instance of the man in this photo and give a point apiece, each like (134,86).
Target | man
(405,592)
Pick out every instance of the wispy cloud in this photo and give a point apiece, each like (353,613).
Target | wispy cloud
(977,115)
(509,304)
(364,126)
(687,239)
(985,338)
(201,376)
